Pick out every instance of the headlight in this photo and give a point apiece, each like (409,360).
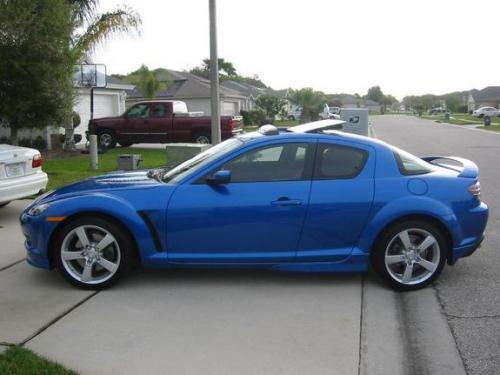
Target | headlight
(38,209)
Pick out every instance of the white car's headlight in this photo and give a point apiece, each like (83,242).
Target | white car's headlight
(38,209)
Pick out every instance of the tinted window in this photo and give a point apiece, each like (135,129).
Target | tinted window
(410,164)
(159,110)
(335,161)
(285,162)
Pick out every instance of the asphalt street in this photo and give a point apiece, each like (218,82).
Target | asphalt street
(469,291)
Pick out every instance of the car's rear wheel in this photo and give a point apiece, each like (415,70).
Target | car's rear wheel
(202,137)
(291,118)
(92,253)
(106,138)
(410,255)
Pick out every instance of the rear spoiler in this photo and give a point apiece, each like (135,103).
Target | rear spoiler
(466,168)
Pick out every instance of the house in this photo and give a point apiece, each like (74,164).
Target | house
(250,92)
(195,92)
(352,101)
(108,101)
(487,97)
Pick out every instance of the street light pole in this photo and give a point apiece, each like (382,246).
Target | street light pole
(214,74)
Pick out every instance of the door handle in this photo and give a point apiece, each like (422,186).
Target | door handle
(285,201)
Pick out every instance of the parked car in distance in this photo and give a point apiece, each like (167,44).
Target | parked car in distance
(486,111)
(436,110)
(21,173)
(307,199)
(329,113)
(160,121)
(295,113)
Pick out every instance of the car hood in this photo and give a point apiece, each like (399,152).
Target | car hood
(107,183)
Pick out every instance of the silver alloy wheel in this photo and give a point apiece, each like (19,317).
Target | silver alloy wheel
(412,256)
(203,139)
(105,139)
(90,254)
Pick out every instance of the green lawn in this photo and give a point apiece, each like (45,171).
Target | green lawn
(19,361)
(64,169)
(493,128)
(459,119)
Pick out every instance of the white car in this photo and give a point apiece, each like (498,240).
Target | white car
(329,113)
(21,173)
(486,111)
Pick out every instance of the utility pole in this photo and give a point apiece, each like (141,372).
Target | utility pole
(214,74)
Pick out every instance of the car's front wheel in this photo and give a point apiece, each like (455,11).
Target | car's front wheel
(92,253)
(410,255)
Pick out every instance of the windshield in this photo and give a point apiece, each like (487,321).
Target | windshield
(200,160)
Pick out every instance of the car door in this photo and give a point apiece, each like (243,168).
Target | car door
(256,218)
(342,193)
(138,123)
(159,123)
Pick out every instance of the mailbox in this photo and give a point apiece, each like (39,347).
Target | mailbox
(356,120)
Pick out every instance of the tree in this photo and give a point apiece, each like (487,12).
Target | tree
(271,105)
(98,27)
(226,69)
(312,102)
(36,63)
(375,93)
(149,82)
(453,103)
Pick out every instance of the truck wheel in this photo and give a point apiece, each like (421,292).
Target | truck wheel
(203,138)
(106,138)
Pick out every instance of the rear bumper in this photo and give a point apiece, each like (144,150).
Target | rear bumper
(22,187)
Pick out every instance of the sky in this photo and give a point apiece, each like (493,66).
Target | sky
(407,47)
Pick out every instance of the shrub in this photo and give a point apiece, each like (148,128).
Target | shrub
(39,143)
(25,142)
(5,140)
(253,117)
(77,138)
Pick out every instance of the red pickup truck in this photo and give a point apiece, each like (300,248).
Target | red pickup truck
(159,121)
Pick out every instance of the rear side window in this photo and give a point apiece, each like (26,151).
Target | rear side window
(338,162)
(409,164)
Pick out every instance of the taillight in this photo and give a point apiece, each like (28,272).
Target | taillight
(475,190)
(37,161)
(231,124)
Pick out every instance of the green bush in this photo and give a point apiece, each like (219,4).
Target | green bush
(5,140)
(25,142)
(253,117)
(39,143)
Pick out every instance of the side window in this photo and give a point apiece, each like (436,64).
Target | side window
(286,162)
(139,111)
(338,162)
(159,110)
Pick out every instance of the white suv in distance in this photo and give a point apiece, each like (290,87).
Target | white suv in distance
(21,173)
(486,111)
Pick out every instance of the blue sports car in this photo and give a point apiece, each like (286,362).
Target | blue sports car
(306,199)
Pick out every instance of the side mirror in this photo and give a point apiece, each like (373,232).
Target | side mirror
(220,178)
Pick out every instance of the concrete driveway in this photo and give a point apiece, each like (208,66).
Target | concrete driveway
(221,322)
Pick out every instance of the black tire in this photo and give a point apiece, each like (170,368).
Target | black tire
(123,260)
(202,137)
(125,144)
(106,138)
(4,204)
(291,118)
(390,240)
(481,115)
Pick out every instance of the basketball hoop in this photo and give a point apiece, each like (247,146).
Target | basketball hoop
(89,76)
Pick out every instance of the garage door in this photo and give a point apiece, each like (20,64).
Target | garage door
(229,108)
(104,106)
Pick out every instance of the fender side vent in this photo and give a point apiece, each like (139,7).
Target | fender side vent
(154,233)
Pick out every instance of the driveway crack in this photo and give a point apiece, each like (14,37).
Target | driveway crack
(57,318)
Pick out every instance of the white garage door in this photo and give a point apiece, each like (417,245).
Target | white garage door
(104,106)
(229,108)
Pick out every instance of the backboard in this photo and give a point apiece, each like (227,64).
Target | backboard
(89,75)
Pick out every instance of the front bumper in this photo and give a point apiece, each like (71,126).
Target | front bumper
(37,232)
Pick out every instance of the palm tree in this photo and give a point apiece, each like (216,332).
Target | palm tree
(89,30)
(311,102)
(98,27)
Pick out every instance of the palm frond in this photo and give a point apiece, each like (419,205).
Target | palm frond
(103,26)
(84,10)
